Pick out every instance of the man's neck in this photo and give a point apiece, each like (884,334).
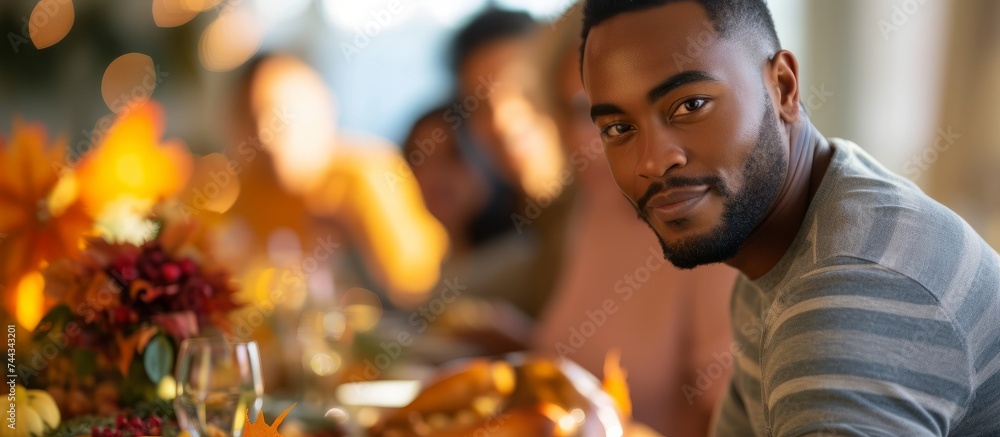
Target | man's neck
(809,157)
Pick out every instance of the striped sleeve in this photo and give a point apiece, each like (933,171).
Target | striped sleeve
(862,350)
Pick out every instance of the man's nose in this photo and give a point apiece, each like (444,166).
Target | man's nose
(659,152)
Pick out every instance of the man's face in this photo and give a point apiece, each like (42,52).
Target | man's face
(689,128)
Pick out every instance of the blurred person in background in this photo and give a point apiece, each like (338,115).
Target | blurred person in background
(493,273)
(309,212)
(454,190)
(512,144)
(669,324)
(496,110)
(289,136)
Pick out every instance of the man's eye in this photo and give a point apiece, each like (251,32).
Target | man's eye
(615,130)
(690,106)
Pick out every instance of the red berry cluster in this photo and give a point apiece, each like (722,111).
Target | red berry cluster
(154,282)
(130,427)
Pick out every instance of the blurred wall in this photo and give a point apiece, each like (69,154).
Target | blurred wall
(874,71)
(963,173)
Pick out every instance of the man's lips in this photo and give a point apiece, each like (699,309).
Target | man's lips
(674,204)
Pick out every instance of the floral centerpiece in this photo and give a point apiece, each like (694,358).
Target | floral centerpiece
(108,280)
(129,307)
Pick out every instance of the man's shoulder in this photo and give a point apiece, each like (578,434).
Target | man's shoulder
(888,300)
(862,342)
(870,214)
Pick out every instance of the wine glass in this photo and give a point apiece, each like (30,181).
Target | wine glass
(218,384)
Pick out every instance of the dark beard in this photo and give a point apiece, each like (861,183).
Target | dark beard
(763,174)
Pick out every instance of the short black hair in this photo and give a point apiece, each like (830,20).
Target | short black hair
(730,17)
(491,25)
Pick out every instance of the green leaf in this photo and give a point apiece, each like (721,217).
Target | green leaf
(158,358)
(85,362)
(137,387)
(56,317)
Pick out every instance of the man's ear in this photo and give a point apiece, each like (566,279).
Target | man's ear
(783,70)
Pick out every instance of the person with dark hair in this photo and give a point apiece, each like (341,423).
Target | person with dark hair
(863,306)
(453,190)
(489,56)
(493,109)
(506,138)
(490,27)
(493,273)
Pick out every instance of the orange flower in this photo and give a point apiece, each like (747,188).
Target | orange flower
(41,218)
(133,163)
(614,382)
(81,282)
(260,428)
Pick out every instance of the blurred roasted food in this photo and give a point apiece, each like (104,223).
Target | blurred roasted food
(516,395)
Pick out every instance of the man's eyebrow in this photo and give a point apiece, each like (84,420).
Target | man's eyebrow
(676,81)
(604,109)
(673,82)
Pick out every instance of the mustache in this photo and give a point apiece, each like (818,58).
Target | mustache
(660,186)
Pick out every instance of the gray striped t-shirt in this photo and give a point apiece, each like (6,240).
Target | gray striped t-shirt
(882,319)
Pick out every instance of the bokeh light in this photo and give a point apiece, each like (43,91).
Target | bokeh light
(562,418)
(133,161)
(338,415)
(283,247)
(215,184)
(325,363)
(172,13)
(539,9)
(274,11)
(124,221)
(65,193)
(28,292)
(450,12)
(229,41)
(50,21)
(388,394)
(199,5)
(128,81)
(362,308)
(371,18)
